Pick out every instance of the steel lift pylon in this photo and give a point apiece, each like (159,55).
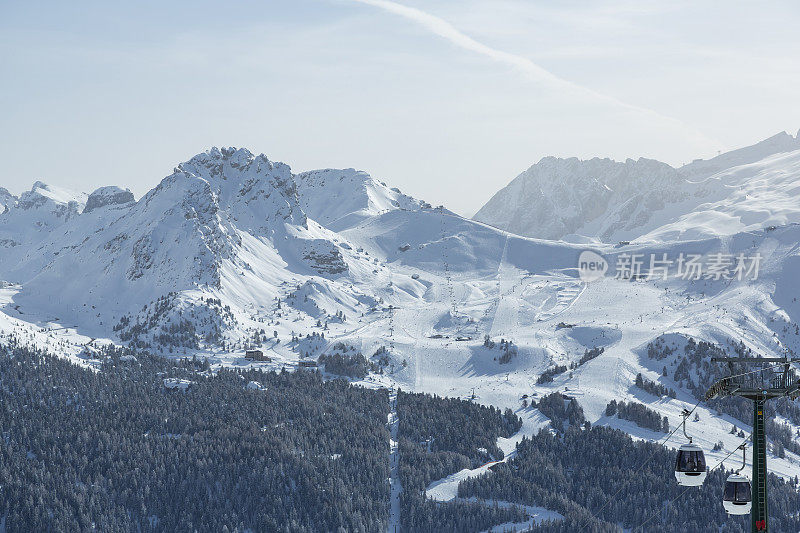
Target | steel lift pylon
(758,386)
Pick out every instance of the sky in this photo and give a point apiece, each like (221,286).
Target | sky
(446,99)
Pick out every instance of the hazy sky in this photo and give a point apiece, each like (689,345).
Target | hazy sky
(448,100)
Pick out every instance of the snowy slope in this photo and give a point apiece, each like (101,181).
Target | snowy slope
(779,143)
(746,189)
(339,199)
(743,198)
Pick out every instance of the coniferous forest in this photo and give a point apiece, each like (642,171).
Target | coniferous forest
(144,443)
(440,436)
(115,450)
(595,479)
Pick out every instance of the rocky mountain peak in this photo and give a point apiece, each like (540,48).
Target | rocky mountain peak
(255,191)
(110,195)
(42,193)
(558,197)
(6,198)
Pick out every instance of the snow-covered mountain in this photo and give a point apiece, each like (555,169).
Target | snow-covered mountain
(608,201)
(226,224)
(34,215)
(6,198)
(559,197)
(779,143)
(110,195)
(232,250)
(339,199)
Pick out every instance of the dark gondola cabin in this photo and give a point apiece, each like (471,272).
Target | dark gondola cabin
(690,466)
(737,498)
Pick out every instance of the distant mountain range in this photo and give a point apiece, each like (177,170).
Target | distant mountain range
(649,201)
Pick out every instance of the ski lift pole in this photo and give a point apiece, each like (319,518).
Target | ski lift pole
(736,385)
(758,516)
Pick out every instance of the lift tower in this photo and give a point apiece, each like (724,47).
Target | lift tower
(758,380)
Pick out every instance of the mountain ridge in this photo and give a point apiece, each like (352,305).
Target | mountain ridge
(608,201)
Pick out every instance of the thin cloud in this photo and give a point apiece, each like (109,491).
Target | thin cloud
(531,70)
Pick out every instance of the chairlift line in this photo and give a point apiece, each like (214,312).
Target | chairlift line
(741,497)
(752,360)
(447,276)
(737,494)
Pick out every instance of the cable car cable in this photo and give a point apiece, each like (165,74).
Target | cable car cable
(659,443)
(641,526)
(686,415)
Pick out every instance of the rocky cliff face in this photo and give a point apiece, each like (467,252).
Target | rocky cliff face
(108,196)
(600,197)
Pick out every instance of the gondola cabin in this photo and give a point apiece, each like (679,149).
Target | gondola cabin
(737,498)
(690,466)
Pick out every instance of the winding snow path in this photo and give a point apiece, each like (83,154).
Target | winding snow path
(446,489)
